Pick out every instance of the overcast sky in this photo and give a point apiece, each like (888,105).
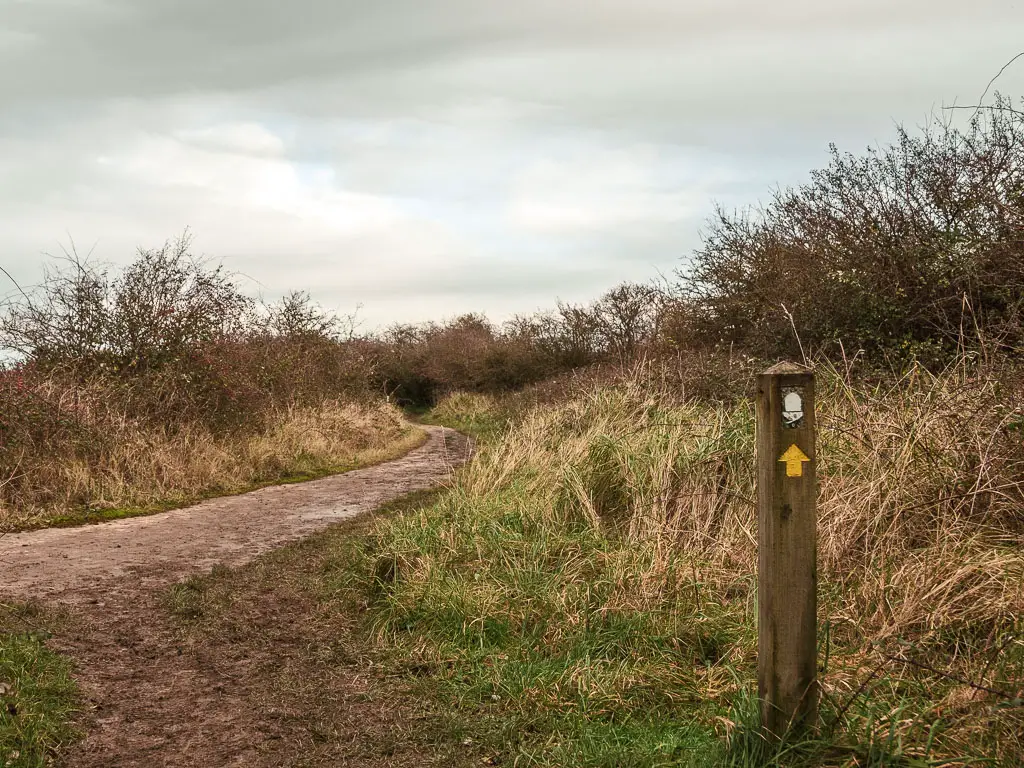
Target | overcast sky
(428,157)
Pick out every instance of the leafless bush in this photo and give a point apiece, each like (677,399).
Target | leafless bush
(167,353)
(297,316)
(160,308)
(469,353)
(913,250)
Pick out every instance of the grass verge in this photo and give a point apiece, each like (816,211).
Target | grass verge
(585,596)
(482,417)
(37,695)
(302,468)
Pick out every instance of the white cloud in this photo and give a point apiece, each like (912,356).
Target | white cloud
(283,225)
(593,190)
(433,156)
(226,169)
(240,138)
(15,41)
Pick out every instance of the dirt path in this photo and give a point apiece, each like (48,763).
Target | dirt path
(77,564)
(149,703)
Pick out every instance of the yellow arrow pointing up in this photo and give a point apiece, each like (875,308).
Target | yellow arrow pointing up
(794,459)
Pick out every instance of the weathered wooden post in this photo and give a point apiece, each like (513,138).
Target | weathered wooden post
(787,574)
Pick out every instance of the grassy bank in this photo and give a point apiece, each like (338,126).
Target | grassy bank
(162,382)
(37,694)
(116,466)
(586,594)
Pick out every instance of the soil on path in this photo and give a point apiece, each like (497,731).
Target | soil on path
(150,704)
(74,565)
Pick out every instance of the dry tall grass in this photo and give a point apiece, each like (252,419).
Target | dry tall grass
(922,486)
(74,448)
(921,538)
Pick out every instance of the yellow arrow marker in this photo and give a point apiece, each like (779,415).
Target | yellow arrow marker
(794,459)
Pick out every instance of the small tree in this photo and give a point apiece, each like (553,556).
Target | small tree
(66,319)
(295,316)
(627,317)
(159,308)
(167,303)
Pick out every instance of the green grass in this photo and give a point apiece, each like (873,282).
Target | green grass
(482,417)
(523,630)
(39,697)
(585,595)
(531,636)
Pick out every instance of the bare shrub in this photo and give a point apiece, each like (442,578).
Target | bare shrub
(912,251)
(162,306)
(121,383)
(417,364)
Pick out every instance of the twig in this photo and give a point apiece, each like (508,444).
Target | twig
(796,333)
(965,495)
(16,285)
(950,676)
(990,107)
(1000,72)
(14,614)
(856,695)
(995,656)
(696,587)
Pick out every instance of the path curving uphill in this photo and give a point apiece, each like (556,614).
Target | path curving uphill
(74,565)
(147,702)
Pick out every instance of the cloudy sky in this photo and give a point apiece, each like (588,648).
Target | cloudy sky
(427,157)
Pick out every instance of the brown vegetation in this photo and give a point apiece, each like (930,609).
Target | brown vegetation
(609,540)
(164,383)
(913,251)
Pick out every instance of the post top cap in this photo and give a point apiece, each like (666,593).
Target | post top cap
(786,367)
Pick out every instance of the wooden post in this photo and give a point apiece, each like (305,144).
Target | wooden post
(787,574)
